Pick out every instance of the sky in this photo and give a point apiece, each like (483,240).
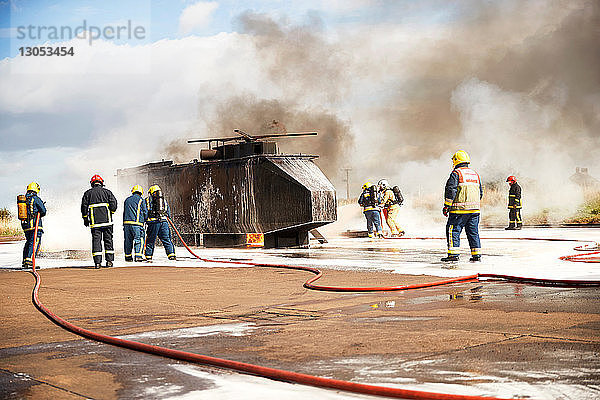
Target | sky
(393,88)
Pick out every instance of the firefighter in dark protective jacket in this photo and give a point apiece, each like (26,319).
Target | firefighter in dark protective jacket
(462,204)
(514,204)
(35,206)
(97,207)
(135,213)
(368,201)
(157,224)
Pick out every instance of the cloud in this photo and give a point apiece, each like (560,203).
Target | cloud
(196,16)
(388,100)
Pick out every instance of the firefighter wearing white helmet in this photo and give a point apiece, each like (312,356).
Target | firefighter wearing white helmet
(31,205)
(462,203)
(390,204)
(157,224)
(368,201)
(135,212)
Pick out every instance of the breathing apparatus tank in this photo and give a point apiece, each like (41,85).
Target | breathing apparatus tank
(22,207)
(158,203)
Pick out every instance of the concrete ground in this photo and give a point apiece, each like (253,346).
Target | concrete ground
(485,338)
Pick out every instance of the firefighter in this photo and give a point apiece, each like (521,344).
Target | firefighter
(514,204)
(157,224)
(35,206)
(135,212)
(463,195)
(368,201)
(390,206)
(97,207)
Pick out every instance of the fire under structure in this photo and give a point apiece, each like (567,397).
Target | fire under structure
(242,192)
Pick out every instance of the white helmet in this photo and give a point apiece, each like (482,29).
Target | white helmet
(383,184)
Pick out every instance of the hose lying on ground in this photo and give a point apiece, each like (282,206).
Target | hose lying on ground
(267,372)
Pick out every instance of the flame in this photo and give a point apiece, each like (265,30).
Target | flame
(255,239)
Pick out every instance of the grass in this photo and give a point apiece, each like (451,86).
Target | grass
(9,225)
(589,212)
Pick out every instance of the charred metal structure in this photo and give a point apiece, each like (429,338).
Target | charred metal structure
(242,187)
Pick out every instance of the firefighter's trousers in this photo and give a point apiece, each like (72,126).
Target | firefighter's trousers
(514,218)
(454,226)
(391,219)
(134,242)
(373,220)
(28,247)
(160,229)
(99,235)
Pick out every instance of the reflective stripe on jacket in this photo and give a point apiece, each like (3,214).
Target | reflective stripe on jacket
(155,219)
(35,205)
(463,191)
(514,196)
(97,206)
(368,199)
(135,211)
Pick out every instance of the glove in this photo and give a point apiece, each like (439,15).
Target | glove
(86,222)
(445,211)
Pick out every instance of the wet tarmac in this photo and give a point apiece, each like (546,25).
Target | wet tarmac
(482,338)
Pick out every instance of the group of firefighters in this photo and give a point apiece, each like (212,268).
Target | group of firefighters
(143,221)
(377,199)
(462,204)
(146,219)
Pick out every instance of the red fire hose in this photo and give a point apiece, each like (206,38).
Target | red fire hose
(274,373)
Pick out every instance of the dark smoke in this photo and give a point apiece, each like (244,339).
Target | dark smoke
(557,65)
(260,117)
(303,65)
(298,58)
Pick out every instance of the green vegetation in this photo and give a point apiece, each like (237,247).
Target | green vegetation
(589,212)
(9,225)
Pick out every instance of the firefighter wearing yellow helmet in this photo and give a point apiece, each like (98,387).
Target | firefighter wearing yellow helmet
(463,194)
(30,205)
(135,213)
(157,224)
(368,201)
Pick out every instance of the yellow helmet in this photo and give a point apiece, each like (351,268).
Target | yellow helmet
(34,187)
(460,157)
(367,185)
(153,188)
(138,189)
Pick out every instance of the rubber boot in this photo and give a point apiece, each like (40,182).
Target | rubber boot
(97,266)
(109,264)
(475,258)
(451,257)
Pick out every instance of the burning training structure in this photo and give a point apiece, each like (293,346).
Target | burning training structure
(242,191)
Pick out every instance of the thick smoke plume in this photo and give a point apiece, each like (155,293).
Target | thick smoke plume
(262,117)
(515,83)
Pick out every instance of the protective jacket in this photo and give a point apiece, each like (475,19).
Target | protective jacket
(388,199)
(153,215)
(368,199)
(34,205)
(97,207)
(514,196)
(463,191)
(135,210)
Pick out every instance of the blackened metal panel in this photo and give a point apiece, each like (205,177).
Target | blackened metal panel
(242,195)
(309,176)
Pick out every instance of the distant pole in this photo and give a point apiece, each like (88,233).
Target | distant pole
(347,180)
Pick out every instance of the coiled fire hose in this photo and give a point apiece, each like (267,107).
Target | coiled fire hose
(274,373)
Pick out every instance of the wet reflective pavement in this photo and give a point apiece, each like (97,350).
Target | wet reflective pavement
(481,338)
